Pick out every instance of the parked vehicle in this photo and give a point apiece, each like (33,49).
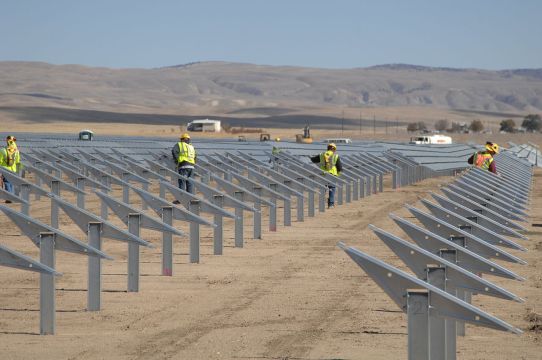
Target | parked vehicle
(339,141)
(433,139)
(87,135)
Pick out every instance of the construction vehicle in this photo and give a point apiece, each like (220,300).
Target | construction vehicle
(304,138)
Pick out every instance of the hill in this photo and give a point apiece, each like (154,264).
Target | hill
(251,91)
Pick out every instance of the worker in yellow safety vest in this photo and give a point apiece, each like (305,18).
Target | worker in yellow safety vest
(184,156)
(484,159)
(10,159)
(330,163)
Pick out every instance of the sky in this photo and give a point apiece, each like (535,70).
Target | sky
(484,34)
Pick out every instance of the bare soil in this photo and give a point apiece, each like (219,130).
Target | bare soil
(291,295)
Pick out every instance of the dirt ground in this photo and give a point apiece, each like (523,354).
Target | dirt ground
(291,295)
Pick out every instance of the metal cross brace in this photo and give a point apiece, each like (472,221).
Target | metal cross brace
(14,259)
(499,181)
(475,229)
(11,197)
(506,190)
(157,204)
(75,176)
(231,188)
(123,211)
(205,206)
(479,218)
(82,218)
(63,242)
(466,258)
(485,203)
(43,164)
(490,198)
(417,259)
(479,209)
(471,242)
(396,283)
(19,181)
(48,179)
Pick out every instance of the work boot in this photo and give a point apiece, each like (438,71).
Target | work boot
(330,206)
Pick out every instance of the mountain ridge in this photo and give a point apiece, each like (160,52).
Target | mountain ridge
(226,87)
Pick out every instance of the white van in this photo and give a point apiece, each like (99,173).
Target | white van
(338,141)
(433,139)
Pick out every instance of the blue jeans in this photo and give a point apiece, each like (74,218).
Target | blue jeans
(8,186)
(185,184)
(331,200)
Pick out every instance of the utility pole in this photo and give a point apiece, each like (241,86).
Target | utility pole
(360,122)
(342,125)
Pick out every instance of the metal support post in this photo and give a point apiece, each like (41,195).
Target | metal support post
(144,206)
(37,196)
(287,206)
(418,324)
(55,189)
(348,192)
(104,209)
(362,187)
(340,194)
(94,294)
(273,210)
(218,200)
(80,183)
(394,179)
(125,189)
(322,200)
(381,182)
(436,276)
(258,214)
(239,195)
(311,204)
(451,332)
(167,242)
(355,189)
(134,221)
(194,233)
(300,208)
(47,285)
(163,191)
(25,195)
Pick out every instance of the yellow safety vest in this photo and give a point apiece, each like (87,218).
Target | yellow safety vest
(9,159)
(482,160)
(328,162)
(186,153)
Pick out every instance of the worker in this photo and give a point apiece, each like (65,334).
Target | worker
(330,163)
(10,159)
(184,156)
(484,159)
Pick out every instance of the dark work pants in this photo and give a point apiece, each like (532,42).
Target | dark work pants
(186,185)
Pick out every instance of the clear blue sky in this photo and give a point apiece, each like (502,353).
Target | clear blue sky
(488,34)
